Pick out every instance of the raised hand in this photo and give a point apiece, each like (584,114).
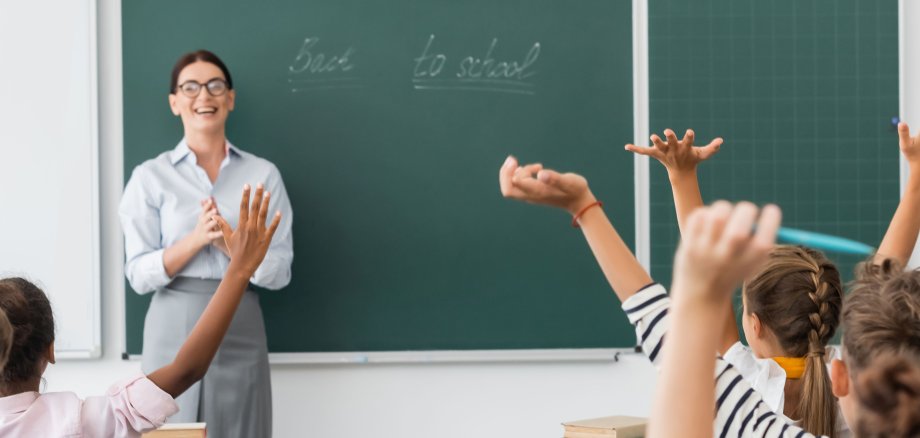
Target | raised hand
(720,249)
(910,146)
(249,243)
(534,184)
(677,155)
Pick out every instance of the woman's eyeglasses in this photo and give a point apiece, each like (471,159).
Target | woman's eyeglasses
(216,87)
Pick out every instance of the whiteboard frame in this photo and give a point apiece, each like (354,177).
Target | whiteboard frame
(95,351)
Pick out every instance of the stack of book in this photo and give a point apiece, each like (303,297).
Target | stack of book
(179,430)
(606,427)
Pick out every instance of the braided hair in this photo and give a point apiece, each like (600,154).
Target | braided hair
(798,296)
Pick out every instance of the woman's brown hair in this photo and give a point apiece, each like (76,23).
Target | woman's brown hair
(881,344)
(29,314)
(193,57)
(798,296)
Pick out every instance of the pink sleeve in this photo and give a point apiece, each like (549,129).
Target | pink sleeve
(129,408)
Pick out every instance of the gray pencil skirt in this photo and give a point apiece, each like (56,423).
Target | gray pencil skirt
(235,396)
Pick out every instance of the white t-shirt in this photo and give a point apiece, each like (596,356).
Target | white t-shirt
(769,379)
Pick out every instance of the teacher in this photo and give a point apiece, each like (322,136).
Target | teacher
(174,248)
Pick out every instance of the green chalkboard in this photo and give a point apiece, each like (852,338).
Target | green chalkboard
(389,121)
(802,91)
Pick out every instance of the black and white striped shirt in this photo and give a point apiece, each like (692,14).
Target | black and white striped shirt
(740,411)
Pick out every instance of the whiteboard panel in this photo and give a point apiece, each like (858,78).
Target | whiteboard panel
(49,231)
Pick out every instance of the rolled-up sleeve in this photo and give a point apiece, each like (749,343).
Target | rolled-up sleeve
(647,310)
(129,408)
(140,221)
(275,270)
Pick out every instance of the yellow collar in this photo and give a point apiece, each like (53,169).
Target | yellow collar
(794,366)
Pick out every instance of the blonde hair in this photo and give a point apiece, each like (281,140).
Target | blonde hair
(798,296)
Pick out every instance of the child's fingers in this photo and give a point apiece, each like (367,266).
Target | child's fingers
(256,203)
(672,138)
(505,173)
(529,170)
(244,206)
(716,218)
(528,186)
(274,225)
(737,230)
(525,174)
(562,182)
(903,134)
(641,150)
(704,152)
(225,229)
(767,227)
(689,137)
(263,211)
(658,142)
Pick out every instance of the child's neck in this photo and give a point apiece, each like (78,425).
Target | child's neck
(793,396)
(30,385)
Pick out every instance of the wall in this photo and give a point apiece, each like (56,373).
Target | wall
(408,401)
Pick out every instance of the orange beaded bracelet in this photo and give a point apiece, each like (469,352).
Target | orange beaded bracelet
(583,210)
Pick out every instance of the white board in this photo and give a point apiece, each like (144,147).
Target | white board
(49,158)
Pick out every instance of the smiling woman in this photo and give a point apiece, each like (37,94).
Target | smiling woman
(174,248)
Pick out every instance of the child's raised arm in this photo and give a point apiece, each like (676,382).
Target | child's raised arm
(716,254)
(568,191)
(901,236)
(681,159)
(248,245)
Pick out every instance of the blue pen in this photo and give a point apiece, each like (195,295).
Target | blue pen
(824,242)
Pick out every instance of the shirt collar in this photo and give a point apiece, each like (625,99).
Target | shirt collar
(14,404)
(182,150)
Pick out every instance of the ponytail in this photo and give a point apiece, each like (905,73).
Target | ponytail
(818,406)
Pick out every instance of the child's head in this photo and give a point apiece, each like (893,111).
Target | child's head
(881,343)
(792,307)
(888,393)
(32,341)
(6,338)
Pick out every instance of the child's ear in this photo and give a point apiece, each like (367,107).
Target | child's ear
(50,353)
(840,378)
(756,326)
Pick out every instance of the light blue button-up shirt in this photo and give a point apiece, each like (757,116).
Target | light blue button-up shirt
(161,205)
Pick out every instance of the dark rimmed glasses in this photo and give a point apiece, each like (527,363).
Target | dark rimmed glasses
(216,87)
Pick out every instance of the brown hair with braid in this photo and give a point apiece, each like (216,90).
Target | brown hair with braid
(798,296)
(881,323)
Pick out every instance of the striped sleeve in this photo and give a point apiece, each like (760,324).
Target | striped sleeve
(647,310)
(740,411)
